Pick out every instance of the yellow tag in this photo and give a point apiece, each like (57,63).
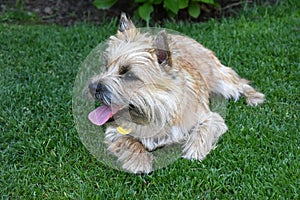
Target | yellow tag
(123,131)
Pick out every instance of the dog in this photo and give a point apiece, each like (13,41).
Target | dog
(155,91)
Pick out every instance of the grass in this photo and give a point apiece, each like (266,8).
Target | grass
(42,156)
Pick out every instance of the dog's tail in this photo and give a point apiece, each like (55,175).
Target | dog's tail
(230,85)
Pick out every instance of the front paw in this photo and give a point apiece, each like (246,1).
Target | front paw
(132,154)
(194,153)
(138,163)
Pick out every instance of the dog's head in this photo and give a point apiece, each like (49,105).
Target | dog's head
(139,78)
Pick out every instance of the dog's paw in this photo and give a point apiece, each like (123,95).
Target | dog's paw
(204,137)
(194,153)
(138,163)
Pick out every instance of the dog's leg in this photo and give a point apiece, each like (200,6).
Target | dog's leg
(130,152)
(203,137)
(230,85)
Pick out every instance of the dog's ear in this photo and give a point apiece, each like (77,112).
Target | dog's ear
(162,49)
(125,24)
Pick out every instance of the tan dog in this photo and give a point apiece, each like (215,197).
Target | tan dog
(157,89)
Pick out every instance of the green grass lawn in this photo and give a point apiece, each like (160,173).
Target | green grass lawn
(42,156)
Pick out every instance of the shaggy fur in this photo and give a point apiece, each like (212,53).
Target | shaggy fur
(158,87)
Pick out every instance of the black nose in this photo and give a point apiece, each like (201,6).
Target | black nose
(100,92)
(97,88)
(93,88)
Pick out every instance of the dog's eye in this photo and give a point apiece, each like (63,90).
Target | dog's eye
(124,69)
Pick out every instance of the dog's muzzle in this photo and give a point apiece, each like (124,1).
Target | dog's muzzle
(101,92)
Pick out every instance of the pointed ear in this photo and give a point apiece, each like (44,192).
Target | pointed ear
(125,24)
(162,49)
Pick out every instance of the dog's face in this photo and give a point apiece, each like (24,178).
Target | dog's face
(138,79)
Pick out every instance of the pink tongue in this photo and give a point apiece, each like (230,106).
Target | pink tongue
(100,115)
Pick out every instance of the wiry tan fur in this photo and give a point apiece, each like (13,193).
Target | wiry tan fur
(174,77)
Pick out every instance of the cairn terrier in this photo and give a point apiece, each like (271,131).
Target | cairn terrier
(155,91)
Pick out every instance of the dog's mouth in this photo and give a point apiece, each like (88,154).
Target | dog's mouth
(107,113)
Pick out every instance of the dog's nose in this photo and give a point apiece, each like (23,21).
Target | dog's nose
(98,88)
(93,88)
(100,92)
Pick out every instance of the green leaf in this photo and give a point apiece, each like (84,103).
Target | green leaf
(149,1)
(206,1)
(156,1)
(144,11)
(104,4)
(183,4)
(171,5)
(194,9)
(140,1)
